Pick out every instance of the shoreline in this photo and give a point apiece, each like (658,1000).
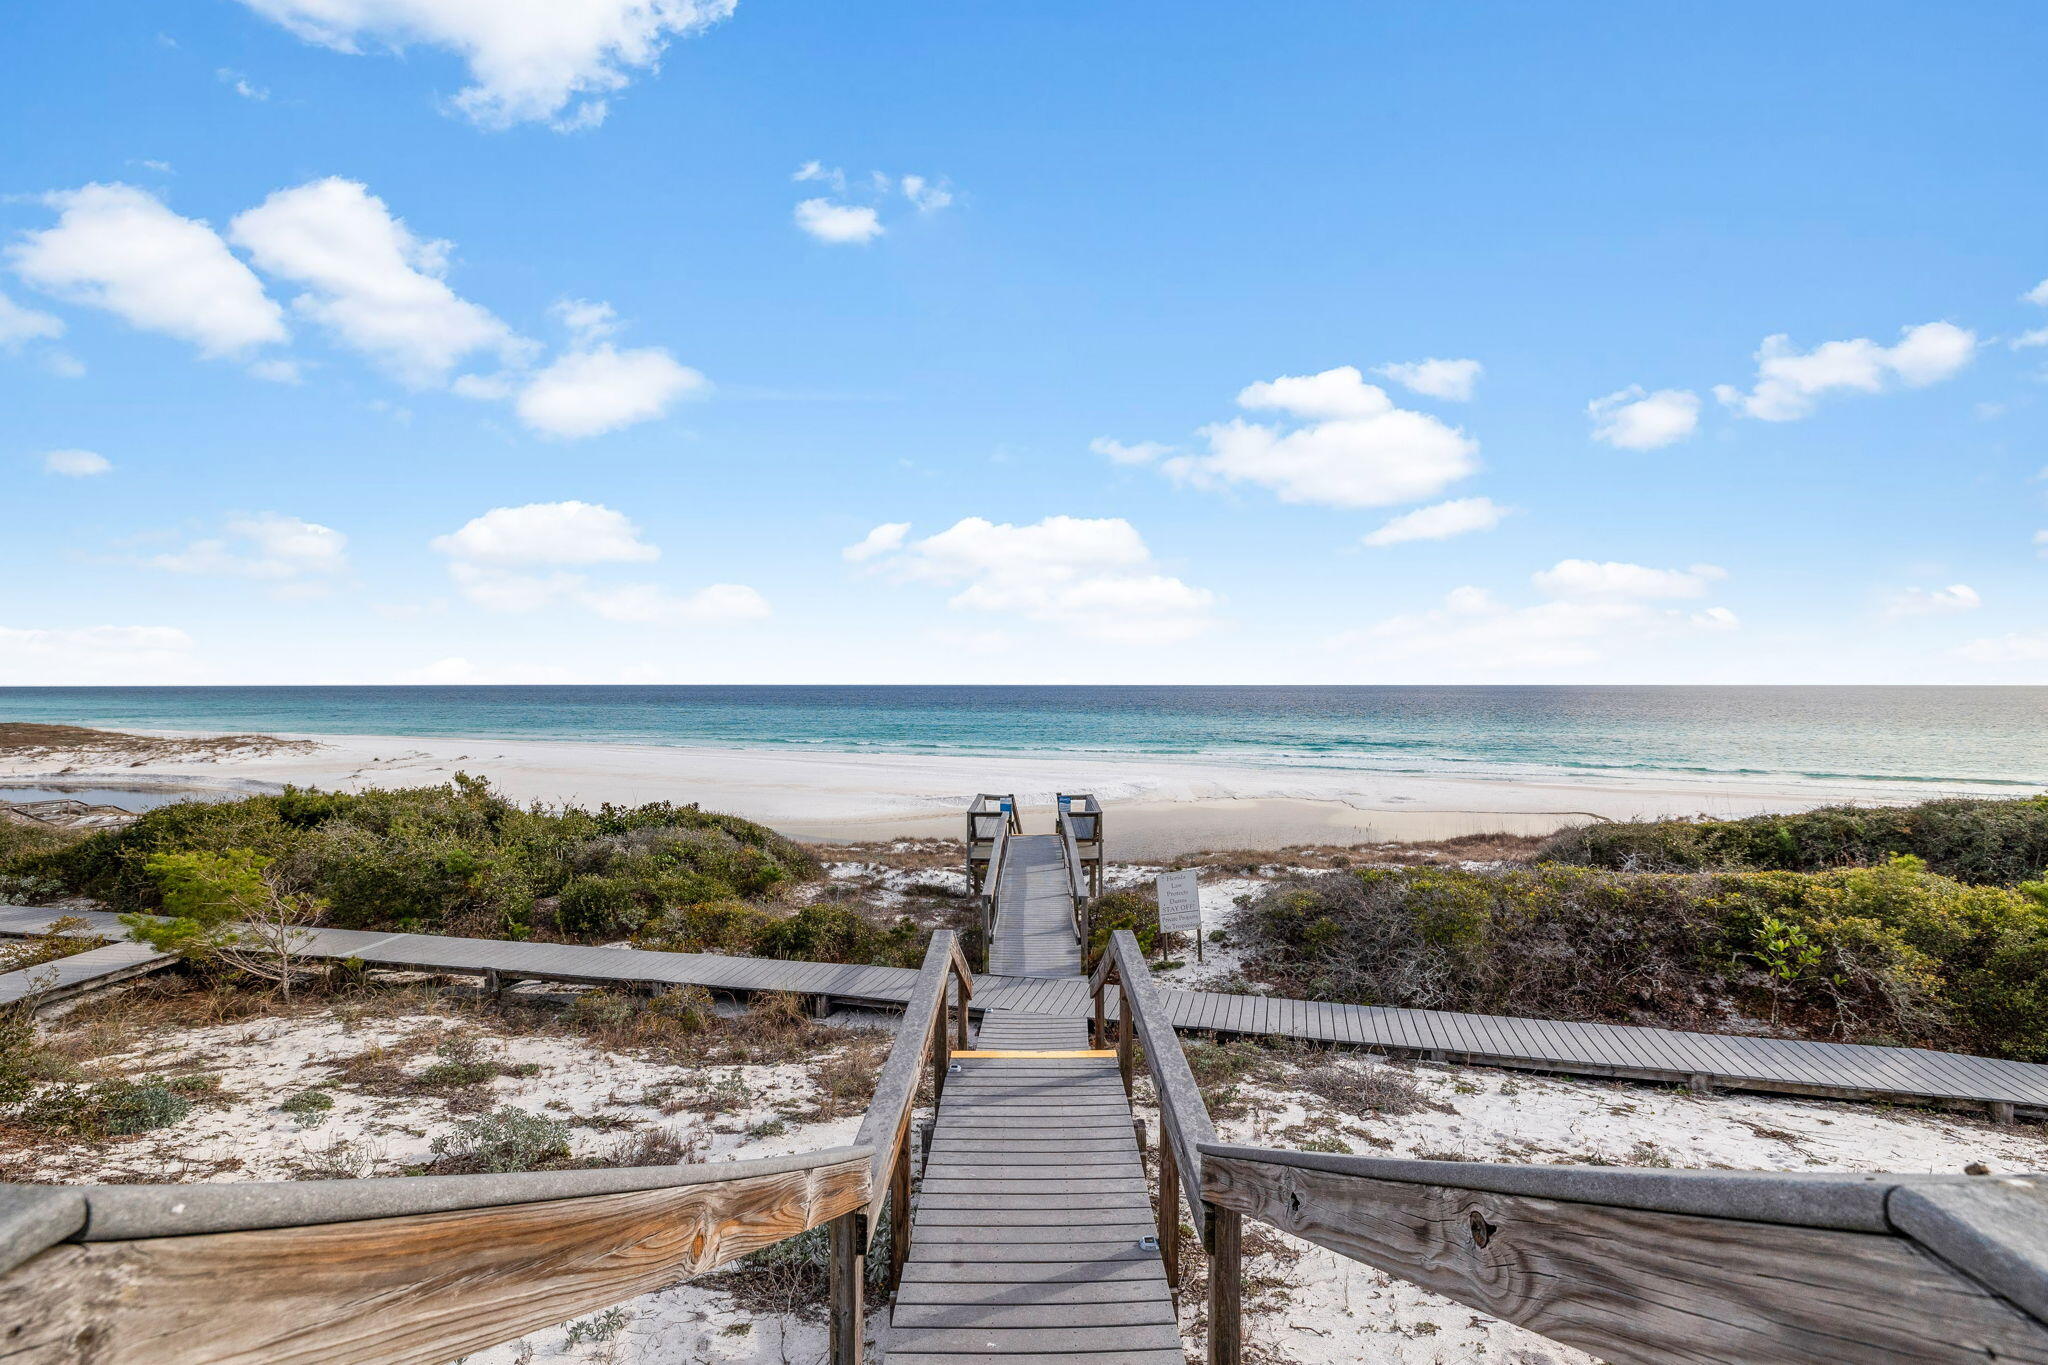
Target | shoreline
(1158,806)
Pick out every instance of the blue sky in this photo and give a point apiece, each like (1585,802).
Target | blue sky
(415,340)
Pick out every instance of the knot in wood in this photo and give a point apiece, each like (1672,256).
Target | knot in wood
(1482,1231)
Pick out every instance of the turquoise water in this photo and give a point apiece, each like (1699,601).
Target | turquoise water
(1976,735)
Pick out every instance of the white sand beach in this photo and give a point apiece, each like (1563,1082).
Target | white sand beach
(1161,806)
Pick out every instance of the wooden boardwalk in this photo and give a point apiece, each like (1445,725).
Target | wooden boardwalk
(1670,1056)
(1034,932)
(1032,1235)
(68,976)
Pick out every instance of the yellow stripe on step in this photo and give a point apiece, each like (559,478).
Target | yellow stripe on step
(1085,1052)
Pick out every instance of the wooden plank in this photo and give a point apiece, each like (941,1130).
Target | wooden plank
(394,1291)
(1065,1053)
(1161,1356)
(1631,1285)
(1109,1313)
(1063,1343)
(1040,1291)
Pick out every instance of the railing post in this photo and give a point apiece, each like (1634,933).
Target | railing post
(1226,1287)
(848,1269)
(965,988)
(899,1206)
(1169,1208)
(1126,1038)
(1099,1036)
(942,1058)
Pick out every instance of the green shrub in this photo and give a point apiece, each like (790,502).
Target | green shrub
(506,1139)
(1888,954)
(1992,842)
(308,1105)
(24,1062)
(24,841)
(103,1109)
(1137,911)
(451,859)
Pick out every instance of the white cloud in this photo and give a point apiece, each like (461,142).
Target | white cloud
(2038,294)
(1452,379)
(1715,618)
(1633,419)
(241,85)
(19,324)
(880,541)
(268,546)
(818,171)
(1356,450)
(1338,393)
(278,371)
(856,223)
(1093,577)
(75,464)
(2041,543)
(590,392)
(93,654)
(1440,522)
(118,248)
(528,59)
(548,533)
(2011,648)
(493,558)
(647,604)
(1933,601)
(925,196)
(1789,382)
(1613,581)
(838,223)
(374,285)
(1474,631)
(1141,452)
(587,320)
(2025,340)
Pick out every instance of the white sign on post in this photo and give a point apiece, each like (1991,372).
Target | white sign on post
(1180,904)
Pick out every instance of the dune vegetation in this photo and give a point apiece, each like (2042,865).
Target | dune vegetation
(1992,842)
(453,859)
(1892,953)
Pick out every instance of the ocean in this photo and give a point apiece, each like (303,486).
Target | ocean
(1980,736)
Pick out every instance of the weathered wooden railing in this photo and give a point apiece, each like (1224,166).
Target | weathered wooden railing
(920,1039)
(1184,1127)
(1642,1267)
(378,1272)
(989,889)
(988,817)
(1077,878)
(425,1269)
(1638,1267)
(1080,817)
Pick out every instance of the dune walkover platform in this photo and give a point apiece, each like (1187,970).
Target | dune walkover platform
(1032,1229)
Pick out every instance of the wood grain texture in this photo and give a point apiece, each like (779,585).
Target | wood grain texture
(1644,1288)
(417,1290)
(1183,1117)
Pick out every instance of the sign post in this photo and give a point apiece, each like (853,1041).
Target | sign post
(1180,905)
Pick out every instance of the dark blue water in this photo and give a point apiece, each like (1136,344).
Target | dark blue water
(1983,735)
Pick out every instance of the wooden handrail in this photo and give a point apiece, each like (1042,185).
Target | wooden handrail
(1070,853)
(1184,1130)
(1183,1118)
(921,1038)
(991,890)
(1684,1266)
(324,1272)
